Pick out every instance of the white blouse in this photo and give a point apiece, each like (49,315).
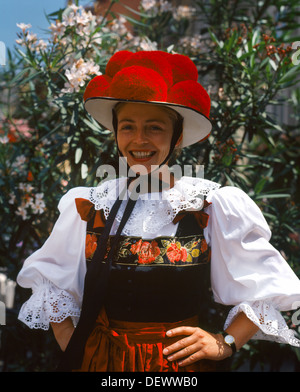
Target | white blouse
(247,273)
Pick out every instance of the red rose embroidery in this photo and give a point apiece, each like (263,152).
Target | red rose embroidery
(176,252)
(146,251)
(135,248)
(90,245)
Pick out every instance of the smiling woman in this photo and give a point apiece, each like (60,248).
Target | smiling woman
(144,134)
(139,277)
(158,125)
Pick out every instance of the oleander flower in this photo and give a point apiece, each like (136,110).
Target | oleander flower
(77,75)
(24,26)
(184,12)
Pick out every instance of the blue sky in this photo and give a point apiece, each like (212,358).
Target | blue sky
(26,11)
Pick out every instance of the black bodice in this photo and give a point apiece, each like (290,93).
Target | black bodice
(164,279)
(155,293)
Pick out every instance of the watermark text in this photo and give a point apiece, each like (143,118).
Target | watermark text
(2,313)
(2,53)
(296,55)
(147,181)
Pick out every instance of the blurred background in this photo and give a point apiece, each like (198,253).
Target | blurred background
(247,58)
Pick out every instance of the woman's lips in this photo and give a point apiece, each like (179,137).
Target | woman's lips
(142,155)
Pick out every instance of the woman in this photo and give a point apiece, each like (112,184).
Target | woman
(134,273)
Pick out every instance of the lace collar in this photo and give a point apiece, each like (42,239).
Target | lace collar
(153,210)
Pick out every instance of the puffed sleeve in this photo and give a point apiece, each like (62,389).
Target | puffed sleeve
(56,271)
(247,272)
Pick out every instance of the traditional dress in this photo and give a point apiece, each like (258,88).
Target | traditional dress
(179,249)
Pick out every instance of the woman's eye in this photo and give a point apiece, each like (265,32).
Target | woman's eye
(126,127)
(156,128)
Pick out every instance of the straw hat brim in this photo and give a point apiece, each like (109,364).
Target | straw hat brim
(196,127)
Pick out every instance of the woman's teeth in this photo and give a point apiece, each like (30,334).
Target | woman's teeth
(142,154)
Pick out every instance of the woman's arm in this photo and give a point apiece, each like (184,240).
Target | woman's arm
(242,329)
(200,344)
(63,332)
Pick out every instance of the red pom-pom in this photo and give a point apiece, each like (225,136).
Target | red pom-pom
(138,83)
(154,60)
(97,87)
(183,68)
(192,94)
(115,63)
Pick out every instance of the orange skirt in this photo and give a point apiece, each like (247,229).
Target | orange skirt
(118,346)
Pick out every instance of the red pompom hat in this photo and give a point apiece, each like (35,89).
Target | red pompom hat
(154,77)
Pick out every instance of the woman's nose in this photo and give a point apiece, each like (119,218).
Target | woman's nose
(141,136)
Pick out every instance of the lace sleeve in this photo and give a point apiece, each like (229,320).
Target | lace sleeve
(247,272)
(271,323)
(48,304)
(55,272)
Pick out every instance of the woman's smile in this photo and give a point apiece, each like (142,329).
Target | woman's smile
(141,155)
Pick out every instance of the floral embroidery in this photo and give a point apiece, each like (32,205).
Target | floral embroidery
(161,250)
(146,251)
(90,245)
(176,252)
(192,249)
(173,251)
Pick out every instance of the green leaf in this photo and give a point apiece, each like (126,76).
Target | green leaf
(290,75)
(215,39)
(232,40)
(92,125)
(260,185)
(252,60)
(139,13)
(255,37)
(32,76)
(273,196)
(94,141)
(230,182)
(264,63)
(78,155)
(19,76)
(134,21)
(84,171)
(273,64)
(290,228)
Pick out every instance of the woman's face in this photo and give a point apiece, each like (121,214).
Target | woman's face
(144,134)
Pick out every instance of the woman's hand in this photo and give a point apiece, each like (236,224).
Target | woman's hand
(198,344)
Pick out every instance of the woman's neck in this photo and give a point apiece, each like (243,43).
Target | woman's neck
(156,181)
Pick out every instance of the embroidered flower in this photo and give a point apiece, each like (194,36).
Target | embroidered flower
(135,248)
(192,250)
(90,245)
(176,252)
(147,251)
